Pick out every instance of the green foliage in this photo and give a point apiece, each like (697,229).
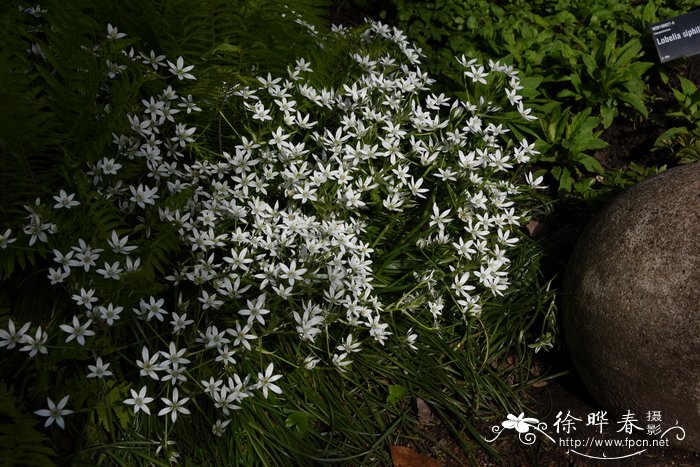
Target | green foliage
(684,137)
(688,97)
(625,178)
(608,76)
(298,420)
(541,38)
(396,393)
(52,88)
(589,57)
(20,442)
(109,411)
(52,79)
(56,123)
(567,141)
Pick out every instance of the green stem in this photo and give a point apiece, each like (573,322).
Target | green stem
(409,240)
(383,232)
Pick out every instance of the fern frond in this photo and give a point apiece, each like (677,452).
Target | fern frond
(20,442)
(163,247)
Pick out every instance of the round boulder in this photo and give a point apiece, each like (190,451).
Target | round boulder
(631,304)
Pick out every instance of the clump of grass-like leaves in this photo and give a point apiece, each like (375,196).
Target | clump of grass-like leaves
(290,289)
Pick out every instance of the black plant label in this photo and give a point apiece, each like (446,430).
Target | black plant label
(677,37)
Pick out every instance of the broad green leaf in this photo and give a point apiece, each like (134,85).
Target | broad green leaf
(569,93)
(565,179)
(608,113)
(576,81)
(298,420)
(579,130)
(590,63)
(687,86)
(585,186)
(636,69)
(590,163)
(635,101)
(649,13)
(680,97)
(530,85)
(552,130)
(396,393)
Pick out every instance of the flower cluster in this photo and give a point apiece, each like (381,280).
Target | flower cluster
(295,230)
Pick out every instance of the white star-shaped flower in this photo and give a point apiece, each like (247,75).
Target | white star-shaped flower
(139,400)
(55,412)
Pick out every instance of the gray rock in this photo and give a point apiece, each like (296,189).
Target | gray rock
(631,303)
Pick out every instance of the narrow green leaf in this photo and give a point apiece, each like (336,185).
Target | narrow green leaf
(628,52)
(609,46)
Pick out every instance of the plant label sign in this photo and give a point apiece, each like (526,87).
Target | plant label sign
(677,37)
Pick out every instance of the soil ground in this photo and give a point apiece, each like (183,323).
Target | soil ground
(568,394)
(564,394)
